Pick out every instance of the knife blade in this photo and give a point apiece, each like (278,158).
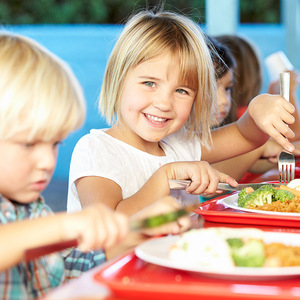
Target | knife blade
(183,184)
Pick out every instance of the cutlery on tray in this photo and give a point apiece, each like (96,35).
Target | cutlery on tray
(183,184)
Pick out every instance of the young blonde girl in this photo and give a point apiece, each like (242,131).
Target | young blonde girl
(159,88)
(40,103)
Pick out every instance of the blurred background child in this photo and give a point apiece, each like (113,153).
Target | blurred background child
(249,80)
(247,84)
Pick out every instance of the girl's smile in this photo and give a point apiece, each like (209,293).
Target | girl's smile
(155,103)
(156,121)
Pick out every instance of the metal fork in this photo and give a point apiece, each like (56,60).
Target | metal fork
(286,162)
(286,167)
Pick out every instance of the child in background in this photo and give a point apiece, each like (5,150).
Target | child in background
(225,65)
(248,74)
(41,101)
(159,88)
(248,79)
(247,85)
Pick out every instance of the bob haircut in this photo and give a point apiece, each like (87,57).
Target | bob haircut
(38,91)
(147,35)
(221,57)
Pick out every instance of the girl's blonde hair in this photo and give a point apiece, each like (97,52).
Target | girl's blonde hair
(147,35)
(38,91)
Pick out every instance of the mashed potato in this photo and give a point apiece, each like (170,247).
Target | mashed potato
(203,247)
(208,247)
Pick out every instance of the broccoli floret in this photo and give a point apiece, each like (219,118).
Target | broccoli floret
(251,254)
(283,195)
(235,243)
(242,196)
(260,196)
(266,187)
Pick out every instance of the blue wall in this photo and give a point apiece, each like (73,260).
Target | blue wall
(87,47)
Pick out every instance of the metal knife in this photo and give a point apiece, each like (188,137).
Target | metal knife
(149,222)
(161,219)
(183,184)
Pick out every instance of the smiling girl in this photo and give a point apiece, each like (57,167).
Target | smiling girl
(159,95)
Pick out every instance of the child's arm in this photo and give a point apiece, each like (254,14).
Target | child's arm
(259,160)
(95,228)
(267,115)
(93,189)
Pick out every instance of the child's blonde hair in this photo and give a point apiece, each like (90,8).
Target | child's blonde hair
(147,35)
(38,91)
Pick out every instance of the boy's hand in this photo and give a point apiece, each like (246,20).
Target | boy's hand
(96,227)
(272,114)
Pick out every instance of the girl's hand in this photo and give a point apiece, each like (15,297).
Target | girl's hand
(96,227)
(272,149)
(203,176)
(272,114)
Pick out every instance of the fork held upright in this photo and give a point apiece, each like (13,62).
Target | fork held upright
(285,85)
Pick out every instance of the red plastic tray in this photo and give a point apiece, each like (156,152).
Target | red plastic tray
(131,278)
(215,211)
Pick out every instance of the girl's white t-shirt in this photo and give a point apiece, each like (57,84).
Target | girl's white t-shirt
(99,154)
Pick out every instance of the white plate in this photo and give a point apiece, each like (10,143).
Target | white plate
(231,201)
(156,251)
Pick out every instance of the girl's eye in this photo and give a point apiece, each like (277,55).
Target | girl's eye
(149,83)
(57,144)
(28,145)
(182,91)
(228,89)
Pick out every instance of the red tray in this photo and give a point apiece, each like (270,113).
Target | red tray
(131,278)
(215,211)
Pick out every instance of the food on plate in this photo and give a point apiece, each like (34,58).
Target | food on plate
(203,248)
(261,196)
(294,184)
(225,248)
(269,198)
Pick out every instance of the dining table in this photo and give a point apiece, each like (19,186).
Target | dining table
(127,276)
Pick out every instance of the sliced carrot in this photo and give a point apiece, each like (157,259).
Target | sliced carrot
(249,189)
(287,188)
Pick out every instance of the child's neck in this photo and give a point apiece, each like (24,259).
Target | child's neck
(136,141)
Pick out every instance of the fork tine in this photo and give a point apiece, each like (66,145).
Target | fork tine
(293,171)
(286,167)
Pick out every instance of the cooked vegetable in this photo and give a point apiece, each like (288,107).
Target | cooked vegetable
(295,192)
(235,243)
(283,195)
(242,196)
(251,254)
(261,196)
